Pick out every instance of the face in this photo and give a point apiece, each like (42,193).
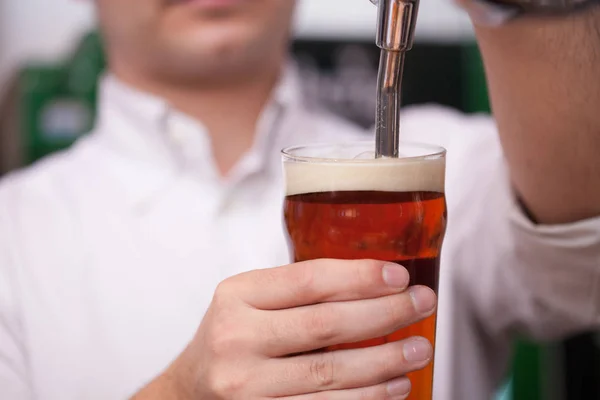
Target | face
(195,39)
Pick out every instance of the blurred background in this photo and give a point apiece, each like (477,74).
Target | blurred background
(51,57)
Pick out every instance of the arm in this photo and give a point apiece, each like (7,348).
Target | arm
(542,76)
(545,92)
(544,278)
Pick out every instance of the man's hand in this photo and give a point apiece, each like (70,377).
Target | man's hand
(260,337)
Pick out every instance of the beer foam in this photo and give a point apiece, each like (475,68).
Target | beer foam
(389,175)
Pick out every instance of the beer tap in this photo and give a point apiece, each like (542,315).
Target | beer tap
(395,35)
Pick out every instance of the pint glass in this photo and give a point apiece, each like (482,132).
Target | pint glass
(343,203)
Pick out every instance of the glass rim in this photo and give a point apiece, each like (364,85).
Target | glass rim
(431,152)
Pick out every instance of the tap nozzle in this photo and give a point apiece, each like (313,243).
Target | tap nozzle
(395,36)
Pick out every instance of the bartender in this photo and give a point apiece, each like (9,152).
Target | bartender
(149,261)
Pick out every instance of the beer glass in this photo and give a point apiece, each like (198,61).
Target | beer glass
(343,203)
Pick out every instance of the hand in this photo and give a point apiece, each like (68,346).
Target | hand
(259,337)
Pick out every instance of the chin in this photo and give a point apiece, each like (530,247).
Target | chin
(226,56)
(216,38)
(216,45)
(222,42)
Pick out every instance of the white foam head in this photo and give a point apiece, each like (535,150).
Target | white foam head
(390,175)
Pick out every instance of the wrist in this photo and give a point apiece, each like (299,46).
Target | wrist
(182,378)
(176,383)
(495,13)
(486,14)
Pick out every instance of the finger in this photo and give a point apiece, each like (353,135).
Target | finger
(313,327)
(347,369)
(397,389)
(318,281)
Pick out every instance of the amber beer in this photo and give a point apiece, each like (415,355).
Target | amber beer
(342,207)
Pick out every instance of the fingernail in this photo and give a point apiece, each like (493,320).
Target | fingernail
(395,275)
(417,350)
(399,387)
(423,299)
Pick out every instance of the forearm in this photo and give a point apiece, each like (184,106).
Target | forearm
(545,94)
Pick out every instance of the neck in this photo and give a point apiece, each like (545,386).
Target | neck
(229,110)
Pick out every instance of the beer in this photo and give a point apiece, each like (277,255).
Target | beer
(392,210)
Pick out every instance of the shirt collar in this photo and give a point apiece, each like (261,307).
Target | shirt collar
(145,128)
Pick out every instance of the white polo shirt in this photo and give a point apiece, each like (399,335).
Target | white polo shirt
(110,251)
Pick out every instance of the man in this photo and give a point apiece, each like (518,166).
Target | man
(139,262)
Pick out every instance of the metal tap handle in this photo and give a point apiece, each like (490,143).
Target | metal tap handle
(395,34)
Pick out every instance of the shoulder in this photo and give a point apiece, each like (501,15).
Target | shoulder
(36,182)
(446,126)
(40,182)
(44,196)
(327,126)
(431,123)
